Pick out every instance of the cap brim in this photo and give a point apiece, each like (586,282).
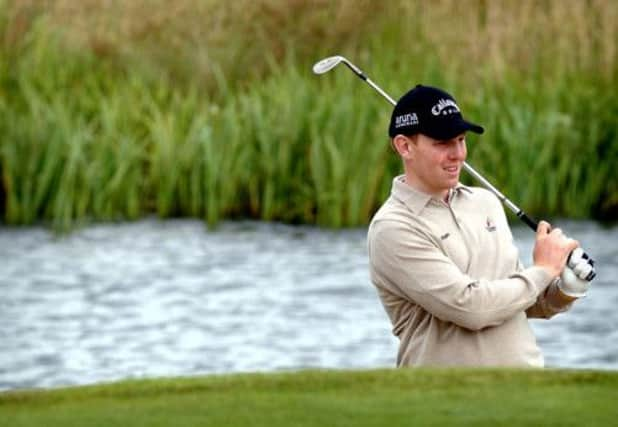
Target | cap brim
(455,128)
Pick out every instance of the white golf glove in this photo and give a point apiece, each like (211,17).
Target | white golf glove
(576,276)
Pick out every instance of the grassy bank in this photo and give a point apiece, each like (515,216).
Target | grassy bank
(370,398)
(186,108)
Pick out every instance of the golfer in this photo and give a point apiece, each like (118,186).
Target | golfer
(442,255)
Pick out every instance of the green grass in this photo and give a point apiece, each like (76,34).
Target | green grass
(427,397)
(114,110)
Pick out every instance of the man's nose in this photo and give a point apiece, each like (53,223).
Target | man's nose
(458,150)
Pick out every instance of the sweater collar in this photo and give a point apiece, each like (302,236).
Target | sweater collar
(416,200)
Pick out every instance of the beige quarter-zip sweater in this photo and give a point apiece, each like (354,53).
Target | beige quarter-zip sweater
(450,280)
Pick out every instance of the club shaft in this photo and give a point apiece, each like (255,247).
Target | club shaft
(377,88)
(512,206)
(367,80)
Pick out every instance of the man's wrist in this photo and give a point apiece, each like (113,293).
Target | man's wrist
(572,285)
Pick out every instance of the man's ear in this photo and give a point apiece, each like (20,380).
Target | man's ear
(402,144)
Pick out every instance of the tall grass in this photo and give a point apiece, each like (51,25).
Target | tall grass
(113,110)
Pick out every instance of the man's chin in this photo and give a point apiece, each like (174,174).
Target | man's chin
(452,180)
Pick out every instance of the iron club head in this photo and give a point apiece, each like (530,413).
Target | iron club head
(327,64)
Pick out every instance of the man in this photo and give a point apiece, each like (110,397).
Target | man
(442,255)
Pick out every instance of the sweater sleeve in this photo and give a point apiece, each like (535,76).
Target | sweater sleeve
(408,263)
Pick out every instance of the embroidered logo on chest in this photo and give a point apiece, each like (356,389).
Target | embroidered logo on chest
(489,225)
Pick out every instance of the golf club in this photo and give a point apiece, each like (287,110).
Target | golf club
(327,64)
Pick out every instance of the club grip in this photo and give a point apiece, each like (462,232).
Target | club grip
(528,220)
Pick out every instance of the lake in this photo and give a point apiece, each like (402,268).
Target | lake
(171,298)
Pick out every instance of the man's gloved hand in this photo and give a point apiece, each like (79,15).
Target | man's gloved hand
(576,276)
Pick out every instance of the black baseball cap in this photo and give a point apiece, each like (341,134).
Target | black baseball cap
(430,111)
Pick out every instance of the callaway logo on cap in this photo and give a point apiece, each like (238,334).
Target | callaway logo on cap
(444,107)
(430,111)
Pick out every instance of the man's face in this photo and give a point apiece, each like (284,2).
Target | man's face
(434,165)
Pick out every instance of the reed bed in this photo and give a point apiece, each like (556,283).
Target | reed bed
(115,110)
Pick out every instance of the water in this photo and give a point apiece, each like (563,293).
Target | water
(170,298)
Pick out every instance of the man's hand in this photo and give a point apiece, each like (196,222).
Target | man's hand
(573,279)
(552,249)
